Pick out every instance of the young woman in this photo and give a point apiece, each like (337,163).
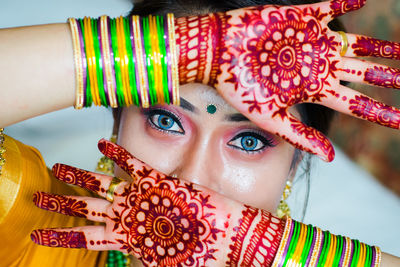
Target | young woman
(205,140)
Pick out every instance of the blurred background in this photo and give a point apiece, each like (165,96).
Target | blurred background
(374,147)
(357,195)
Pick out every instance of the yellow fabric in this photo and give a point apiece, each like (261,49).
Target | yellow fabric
(23,174)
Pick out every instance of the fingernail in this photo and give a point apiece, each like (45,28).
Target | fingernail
(102,145)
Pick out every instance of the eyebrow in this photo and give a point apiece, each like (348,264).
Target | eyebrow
(187,105)
(236,117)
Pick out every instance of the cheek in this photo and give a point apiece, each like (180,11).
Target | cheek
(258,182)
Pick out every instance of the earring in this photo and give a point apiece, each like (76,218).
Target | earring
(106,165)
(283,208)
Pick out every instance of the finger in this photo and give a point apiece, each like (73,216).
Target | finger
(93,209)
(359,71)
(303,137)
(363,46)
(125,160)
(89,237)
(94,182)
(341,7)
(358,105)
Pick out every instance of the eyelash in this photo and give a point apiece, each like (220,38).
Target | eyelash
(152,112)
(266,142)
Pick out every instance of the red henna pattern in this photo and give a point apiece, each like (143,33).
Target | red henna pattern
(192,38)
(341,7)
(77,177)
(245,223)
(167,221)
(371,110)
(198,39)
(285,50)
(264,240)
(119,155)
(61,204)
(370,47)
(51,238)
(316,138)
(383,76)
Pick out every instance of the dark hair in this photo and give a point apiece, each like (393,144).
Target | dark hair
(314,115)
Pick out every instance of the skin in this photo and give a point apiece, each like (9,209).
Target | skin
(203,155)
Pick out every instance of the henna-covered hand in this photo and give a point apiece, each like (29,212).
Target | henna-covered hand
(162,220)
(265,59)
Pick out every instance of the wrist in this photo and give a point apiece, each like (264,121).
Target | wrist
(255,238)
(199,43)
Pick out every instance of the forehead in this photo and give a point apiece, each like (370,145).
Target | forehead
(200,96)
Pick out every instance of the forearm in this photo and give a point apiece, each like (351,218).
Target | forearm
(389,260)
(36,71)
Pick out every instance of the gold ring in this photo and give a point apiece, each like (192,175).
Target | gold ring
(345,43)
(110,192)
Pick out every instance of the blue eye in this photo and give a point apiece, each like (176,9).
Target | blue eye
(164,121)
(250,142)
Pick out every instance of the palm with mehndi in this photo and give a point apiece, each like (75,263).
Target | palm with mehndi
(264,60)
(164,221)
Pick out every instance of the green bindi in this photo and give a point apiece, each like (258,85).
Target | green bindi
(211,109)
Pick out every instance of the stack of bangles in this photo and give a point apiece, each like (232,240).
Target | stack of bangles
(305,245)
(125,61)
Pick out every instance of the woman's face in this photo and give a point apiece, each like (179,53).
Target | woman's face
(222,151)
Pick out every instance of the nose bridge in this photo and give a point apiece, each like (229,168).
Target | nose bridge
(194,164)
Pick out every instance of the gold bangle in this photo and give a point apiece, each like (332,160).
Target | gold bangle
(378,257)
(316,249)
(344,42)
(2,150)
(113,185)
(78,63)
(110,78)
(139,61)
(282,245)
(349,245)
(174,59)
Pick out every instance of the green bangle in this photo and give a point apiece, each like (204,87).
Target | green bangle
(307,247)
(117,66)
(293,242)
(164,64)
(325,248)
(149,59)
(339,250)
(131,64)
(99,69)
(356,253)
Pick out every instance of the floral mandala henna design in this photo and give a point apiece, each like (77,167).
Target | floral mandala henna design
(167,221)
(77,177)
(72,239)
(285,50)
(365,108)
(264,239)
(61,204)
